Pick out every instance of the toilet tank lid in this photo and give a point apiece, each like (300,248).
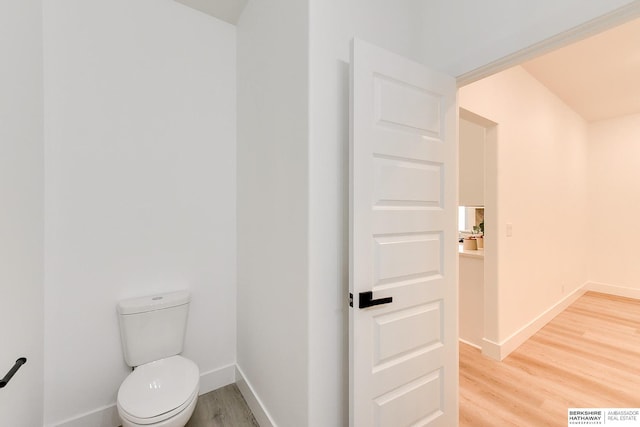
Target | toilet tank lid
(153,302)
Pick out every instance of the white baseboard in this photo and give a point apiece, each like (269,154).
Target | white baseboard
(606,288)
(213,380)
(469,343)
(499,351)
(255,404)
(491,349)
(107,416)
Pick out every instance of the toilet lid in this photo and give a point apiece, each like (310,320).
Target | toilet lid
(158,387)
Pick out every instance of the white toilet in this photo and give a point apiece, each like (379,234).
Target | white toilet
(162,391)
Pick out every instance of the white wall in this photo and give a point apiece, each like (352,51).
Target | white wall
(273,206)
(140,185)
(21,211)
(462,35)
(541,191)
(614,204)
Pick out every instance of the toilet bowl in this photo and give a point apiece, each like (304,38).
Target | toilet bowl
(159,394)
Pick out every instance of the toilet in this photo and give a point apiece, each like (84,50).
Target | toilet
(162,390)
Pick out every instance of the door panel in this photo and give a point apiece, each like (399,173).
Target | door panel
(403,180)
(398,256)
(391,408)
(391,174)
(391,344)
(406,107)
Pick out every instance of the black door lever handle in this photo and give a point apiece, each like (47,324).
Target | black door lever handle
(366,300)
(12,371)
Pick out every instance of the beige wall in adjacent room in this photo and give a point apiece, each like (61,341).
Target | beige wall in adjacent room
(614,204)
(542,176)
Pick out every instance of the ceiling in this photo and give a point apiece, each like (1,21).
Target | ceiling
(227,10)
(598,77)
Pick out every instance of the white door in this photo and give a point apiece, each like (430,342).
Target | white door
(403,178)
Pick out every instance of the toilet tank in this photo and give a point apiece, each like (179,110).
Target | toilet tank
(153,327)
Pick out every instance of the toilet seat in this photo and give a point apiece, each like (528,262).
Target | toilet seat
(159,390)
(187,407)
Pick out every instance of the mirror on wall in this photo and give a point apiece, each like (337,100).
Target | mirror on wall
(469,217)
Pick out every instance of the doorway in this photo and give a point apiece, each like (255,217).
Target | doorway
(478,291)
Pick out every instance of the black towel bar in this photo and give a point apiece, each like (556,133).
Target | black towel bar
(12,371)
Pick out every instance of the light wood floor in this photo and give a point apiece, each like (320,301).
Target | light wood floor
(586,357)
(224,407)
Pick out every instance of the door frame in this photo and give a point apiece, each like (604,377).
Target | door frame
(590,28)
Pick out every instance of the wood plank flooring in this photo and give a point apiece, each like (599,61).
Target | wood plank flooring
(224,407)
(587,356)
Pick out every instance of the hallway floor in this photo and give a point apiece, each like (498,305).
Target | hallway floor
(224,407)
(586,357)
